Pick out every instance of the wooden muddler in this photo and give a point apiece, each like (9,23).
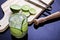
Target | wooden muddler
(43,19)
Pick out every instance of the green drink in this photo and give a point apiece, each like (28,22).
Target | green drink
(18,25)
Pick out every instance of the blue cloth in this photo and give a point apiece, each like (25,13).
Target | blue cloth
(47,31)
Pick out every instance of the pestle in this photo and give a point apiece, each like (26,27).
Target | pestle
(43,19)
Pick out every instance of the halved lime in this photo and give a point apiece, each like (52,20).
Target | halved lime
(26,13)
(15,8)
(32,11)
(25,8)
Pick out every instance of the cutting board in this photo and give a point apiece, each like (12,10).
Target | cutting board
(7,12)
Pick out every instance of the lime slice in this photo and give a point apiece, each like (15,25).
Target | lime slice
(27,14)
(25,8)
(24,26)
(15,32)
(32,11)
(15,8)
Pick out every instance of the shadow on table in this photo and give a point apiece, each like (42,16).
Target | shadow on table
(24,38)
(4,31)
(47,22)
